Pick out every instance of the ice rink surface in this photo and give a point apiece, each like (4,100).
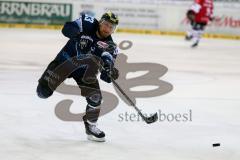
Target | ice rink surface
(205,80)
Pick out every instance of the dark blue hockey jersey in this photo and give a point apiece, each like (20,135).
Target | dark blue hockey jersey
(83,38)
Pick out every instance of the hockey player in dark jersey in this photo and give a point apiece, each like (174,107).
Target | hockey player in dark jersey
(90,48)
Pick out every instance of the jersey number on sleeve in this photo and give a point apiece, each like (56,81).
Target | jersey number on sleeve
(89,19)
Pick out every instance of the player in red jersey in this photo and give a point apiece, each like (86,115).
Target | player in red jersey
(199,14)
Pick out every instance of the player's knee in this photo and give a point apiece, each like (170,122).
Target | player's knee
(94,100)
(43,91)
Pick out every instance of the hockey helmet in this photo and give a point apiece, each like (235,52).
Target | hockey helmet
(110,17)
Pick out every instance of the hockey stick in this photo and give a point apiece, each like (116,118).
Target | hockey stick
(148,120)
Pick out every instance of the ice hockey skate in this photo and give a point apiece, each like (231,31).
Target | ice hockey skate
(94,133)
(195,44)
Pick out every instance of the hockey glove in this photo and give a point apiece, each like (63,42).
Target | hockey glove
(108,69)
(114,73)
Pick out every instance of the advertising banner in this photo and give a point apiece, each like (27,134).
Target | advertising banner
(34,13)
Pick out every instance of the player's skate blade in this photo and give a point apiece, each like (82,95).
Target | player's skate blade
(93,138)
(195,44)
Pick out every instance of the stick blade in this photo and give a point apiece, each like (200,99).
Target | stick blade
(151,119)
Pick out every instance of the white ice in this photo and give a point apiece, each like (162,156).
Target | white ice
(205,80)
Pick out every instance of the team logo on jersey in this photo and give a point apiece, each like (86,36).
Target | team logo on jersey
(102,44)
(87,38)
(85,41)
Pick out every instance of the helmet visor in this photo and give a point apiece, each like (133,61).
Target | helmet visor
(109,25)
